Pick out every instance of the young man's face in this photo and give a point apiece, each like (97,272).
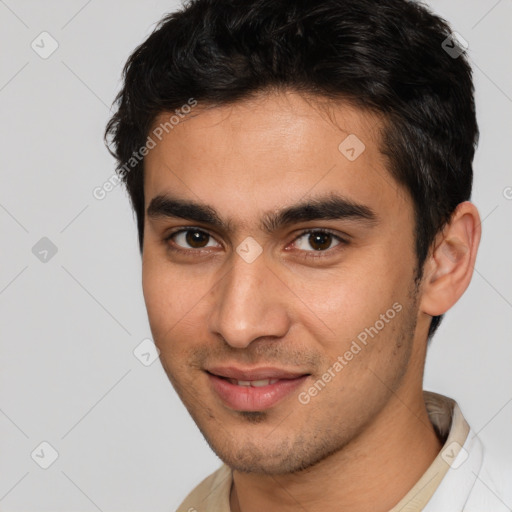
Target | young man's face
(287,303)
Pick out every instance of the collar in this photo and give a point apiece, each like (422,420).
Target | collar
(448,481)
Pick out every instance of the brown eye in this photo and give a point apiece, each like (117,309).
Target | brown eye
(316,240)
(320,241)
(192,239)
(196,239)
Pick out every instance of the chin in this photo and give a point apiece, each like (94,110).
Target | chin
(269,456)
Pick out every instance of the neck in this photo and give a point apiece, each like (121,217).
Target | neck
(370,474)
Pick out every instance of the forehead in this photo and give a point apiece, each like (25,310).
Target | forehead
(270,151)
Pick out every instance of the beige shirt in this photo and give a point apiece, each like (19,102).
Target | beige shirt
(212,494)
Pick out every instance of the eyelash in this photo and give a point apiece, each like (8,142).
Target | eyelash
(306,254)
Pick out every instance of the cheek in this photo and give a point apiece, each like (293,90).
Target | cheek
(349,299)
(174,301)
(165,296)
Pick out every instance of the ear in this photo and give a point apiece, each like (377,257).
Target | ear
(450,264)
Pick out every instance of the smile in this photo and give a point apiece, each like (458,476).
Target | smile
(253,390)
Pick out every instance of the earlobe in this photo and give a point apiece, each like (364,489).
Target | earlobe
(449,267)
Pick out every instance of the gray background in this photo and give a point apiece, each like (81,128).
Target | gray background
(70,324)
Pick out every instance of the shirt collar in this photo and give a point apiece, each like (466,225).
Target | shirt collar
(447,482)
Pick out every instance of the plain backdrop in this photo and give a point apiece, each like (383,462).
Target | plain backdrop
(116,437)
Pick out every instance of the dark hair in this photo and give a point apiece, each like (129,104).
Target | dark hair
(389,57)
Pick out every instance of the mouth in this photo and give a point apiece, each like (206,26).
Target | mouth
(255,389)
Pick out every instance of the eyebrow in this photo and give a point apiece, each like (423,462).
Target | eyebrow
(332,207)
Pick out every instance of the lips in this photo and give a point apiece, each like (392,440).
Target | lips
(254,389)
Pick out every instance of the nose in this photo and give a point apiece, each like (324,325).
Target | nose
(249,303)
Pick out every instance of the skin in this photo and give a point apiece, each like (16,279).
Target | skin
(208,306)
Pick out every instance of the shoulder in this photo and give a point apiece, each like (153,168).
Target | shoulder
(211,495)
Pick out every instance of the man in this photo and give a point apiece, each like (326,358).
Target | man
(300,172)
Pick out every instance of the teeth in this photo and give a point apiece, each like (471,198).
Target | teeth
(259,383)
(256,383)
